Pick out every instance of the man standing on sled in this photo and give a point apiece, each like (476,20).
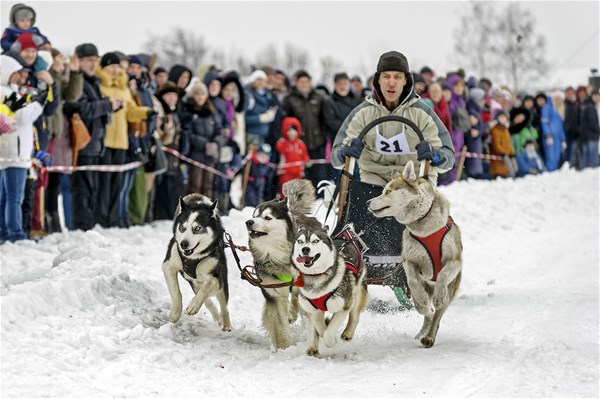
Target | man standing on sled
(389,146)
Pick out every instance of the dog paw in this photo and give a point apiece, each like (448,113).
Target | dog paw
(427,342)
(175,314)
(192,309)
(329,340)
(347,336)
(312,351)
(226,328)
(440,298)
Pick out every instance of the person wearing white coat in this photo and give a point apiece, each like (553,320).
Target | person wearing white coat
(15,149)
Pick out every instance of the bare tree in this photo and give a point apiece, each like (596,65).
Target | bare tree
(268,55)
(473,38)
(294,58)
(520,51)
(179,46)
(329,67)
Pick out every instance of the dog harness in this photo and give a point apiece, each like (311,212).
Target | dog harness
(433,245)
(321,302)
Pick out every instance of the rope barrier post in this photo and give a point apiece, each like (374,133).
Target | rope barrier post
(246,177)
(461,163)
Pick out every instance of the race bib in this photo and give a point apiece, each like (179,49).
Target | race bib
(395,145)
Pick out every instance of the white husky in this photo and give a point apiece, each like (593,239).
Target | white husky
(431,245)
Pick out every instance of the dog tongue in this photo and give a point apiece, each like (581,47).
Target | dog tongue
(304,259)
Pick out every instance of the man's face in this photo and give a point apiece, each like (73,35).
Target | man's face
(342,87)
(135,70)
(214,88)
(392,83)
(88,64)
(570,95)
(183,80)
(357,87)
(303,84)
(161,78)
(29,55)
(279,81)
(24,23)
(596,97)
(427,77)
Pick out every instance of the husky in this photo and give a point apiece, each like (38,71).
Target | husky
(331,278)
(197,252)
(431,245)
(271,234)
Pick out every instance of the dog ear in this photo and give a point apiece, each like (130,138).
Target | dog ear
(182,203)
(284,202)
(395,174)
(214,208)
(409,172)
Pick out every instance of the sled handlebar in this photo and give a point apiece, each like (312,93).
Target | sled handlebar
(391,118)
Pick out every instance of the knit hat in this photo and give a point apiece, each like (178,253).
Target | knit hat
(258,74)
(426,69)
(485,81)
(356,78)
(301,73)
(134,59)
(476,94)
(393,61)
(340,76)
(109,59)
(168,87)
(197,87)
(25,41)
(417,77)
(23,13)
(210,76)
(86,50)
(159,69)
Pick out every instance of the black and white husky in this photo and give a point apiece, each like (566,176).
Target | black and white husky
(271,234)
(197,252)
(332,278)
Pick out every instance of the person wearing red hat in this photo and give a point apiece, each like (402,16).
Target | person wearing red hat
(293,152)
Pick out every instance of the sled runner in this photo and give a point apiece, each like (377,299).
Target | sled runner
(382,236)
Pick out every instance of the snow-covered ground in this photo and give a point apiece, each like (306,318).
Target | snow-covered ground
(85,314)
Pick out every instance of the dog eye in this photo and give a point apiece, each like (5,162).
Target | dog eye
(268,218)
(316,241)
(181,228)
(388,192)
(197,228)
(300,242)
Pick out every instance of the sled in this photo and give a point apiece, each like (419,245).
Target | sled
(381,236)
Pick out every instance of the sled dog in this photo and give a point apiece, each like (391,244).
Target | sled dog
(271,234)
(431,245)
(197,252)
(331,278)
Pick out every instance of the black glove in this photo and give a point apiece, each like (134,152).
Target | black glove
(353,149)
(151,114)
(15,103)
(426,151)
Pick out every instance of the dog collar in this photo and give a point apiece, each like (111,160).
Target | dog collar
(425,215)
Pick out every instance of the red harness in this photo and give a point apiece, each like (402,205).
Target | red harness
(433,245)
(321,302)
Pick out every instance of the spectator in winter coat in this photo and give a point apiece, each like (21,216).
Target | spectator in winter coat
(258,173)
(305,104)
(520,128)
(161,76)
(233,95)
(169,185)
(202,121)
(590,131)
(15,148)
(475,135)
(95,111)
(22,20)
(529,161)
(336,109)
(387,148)
(441,109)
(553,135)
(461,124)
(229,161)
(260,109)
(214,83)
(111,210)
(427,75)
(71,89)
(572,128)
(502,147)
(293,152)
(181,76)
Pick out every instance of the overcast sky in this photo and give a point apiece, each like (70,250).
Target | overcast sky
(355,33)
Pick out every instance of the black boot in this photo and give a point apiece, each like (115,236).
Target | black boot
(53,222)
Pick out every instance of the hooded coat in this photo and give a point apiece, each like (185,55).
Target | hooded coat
(500,146)
(16,148)
(291,150)
(553,134)
(117,88)
(521,132)
(308,108)
(10,34)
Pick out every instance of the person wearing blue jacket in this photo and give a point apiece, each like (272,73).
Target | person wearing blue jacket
(260,111)
(552,131)
(529,161)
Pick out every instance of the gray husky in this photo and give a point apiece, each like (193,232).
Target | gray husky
(431,245)
(331,278)
(197,252)
(271,236)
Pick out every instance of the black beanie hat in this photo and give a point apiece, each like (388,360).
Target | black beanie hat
(109,59)
(86,50)
(301,73)
(393,61)
(340,76)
